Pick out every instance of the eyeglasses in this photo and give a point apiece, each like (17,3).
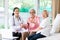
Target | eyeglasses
(32,12)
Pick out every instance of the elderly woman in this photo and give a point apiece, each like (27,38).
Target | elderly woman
(44,29)
(33,23)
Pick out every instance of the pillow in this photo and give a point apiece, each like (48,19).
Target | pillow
(56,24)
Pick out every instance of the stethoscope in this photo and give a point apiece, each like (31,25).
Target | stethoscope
(14,20)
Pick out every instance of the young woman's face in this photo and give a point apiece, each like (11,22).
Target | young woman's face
(32,13)
(16,12)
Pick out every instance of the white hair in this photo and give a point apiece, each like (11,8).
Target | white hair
(32,9)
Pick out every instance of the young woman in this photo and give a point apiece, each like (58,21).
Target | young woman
(16,23)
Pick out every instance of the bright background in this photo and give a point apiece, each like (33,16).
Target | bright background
(6,9)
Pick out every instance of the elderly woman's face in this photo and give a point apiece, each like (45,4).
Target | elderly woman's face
(44,14)
(32,13)
(16,12)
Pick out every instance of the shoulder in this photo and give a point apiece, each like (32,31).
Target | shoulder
(37,17)
(29,18)
(21,17)
(47,19)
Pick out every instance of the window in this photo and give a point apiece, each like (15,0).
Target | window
(1,5)
(2,14)
(45,4)
(24,5)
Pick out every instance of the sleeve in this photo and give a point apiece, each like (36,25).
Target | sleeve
(22,21)
(11,25)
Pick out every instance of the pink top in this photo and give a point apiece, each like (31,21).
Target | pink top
(33,23)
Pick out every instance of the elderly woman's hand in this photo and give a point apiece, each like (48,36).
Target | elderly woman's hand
(32,32)
(24,26)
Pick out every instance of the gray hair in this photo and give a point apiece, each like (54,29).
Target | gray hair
(33,10)
(46,12)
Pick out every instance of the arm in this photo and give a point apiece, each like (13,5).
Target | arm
(37,21)
(22,23)
(12,27)
(39,28)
